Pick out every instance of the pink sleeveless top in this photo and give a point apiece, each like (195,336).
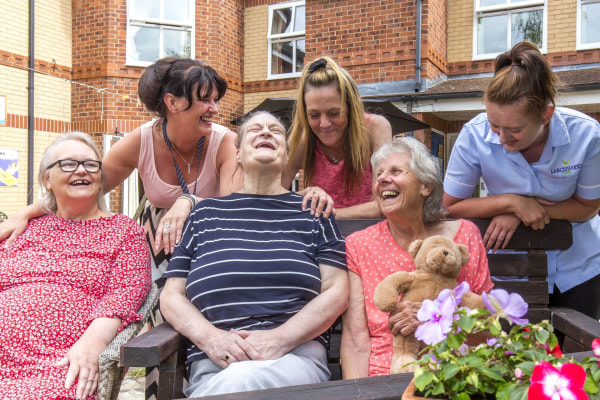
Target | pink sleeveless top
(161,194)
(330,177)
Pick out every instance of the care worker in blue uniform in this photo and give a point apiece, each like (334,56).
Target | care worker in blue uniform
(538,162)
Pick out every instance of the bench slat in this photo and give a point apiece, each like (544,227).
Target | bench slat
(532,265)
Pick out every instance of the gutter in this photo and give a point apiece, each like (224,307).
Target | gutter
(30,103)
(418,66)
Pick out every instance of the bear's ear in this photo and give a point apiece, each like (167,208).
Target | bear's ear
(464,254)
(414,247)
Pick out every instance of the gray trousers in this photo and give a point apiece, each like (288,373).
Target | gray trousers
(305,364)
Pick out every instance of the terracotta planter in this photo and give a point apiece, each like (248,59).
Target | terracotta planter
(409,393)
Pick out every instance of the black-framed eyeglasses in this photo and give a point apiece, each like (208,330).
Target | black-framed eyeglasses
(72,165)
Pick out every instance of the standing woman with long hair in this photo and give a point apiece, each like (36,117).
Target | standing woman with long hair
(539,162)
(332,139)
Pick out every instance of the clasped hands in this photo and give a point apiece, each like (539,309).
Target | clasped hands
(232,346)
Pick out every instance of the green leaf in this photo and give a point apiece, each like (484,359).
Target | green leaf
(463,396)
(590,386)
(449,371)
(542,335)
(454,341)
(466,323)
(423,380)
(491,373)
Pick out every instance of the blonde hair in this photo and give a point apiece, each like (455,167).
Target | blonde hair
(48,200)
(324,72)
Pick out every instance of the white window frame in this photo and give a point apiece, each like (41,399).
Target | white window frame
(508,9)
(158,23)
(283,37)
(579,45)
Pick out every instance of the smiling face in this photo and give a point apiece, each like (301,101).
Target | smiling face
(262,141)
(517,130)
(325,115)
(202,111)
(79,185)
(396,188)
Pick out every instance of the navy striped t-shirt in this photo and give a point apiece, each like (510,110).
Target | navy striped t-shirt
(251,261)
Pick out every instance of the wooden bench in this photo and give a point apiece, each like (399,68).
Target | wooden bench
(161,350)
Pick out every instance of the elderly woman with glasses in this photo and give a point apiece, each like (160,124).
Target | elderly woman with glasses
(332,139)
(70,282)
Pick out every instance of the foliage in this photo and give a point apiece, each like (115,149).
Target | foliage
(501,366)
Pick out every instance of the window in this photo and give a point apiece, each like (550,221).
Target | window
(500,24)
(157,29)
(286,39)
(588,29)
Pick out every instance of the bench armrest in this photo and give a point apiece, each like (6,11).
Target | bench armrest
(579,329)
(152,347)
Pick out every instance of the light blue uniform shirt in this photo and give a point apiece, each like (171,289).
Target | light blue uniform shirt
(570,163)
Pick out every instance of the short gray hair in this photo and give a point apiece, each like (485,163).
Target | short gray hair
(425,167)
(48,200)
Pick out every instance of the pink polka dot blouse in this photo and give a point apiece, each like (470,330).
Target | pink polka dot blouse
(374,254)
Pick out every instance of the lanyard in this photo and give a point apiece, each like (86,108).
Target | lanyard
(177,170)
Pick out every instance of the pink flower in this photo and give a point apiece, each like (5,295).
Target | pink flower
(596,347)
(547,382)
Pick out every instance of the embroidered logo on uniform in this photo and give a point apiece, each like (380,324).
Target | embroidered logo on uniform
(566,168)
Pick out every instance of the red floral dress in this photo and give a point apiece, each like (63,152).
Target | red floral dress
(55,279)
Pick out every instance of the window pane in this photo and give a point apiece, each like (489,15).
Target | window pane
(487,3)
(145,42)
(299,20)
(300,44)
(176,43)
(281,21)
(491,34)
(177,10)
(590,28)
(142,9)
(527,26)
(281,58)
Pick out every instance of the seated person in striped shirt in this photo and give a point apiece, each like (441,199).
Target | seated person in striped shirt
(256,282)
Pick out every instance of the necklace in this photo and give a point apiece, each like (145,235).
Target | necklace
(189,164)
(177,170)
(334,160)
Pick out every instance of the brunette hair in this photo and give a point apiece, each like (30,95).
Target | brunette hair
(523,74)
(48,200)
(178,76)
(320,73)
(426,169)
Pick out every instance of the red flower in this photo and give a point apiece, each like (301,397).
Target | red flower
(556,351)
(547,382)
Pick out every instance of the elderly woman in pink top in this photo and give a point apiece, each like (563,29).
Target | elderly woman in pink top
(408,190)
(332,139)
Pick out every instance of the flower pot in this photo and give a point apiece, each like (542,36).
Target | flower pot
(409,393)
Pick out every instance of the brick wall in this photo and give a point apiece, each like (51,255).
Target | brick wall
(52,94)
(561,38)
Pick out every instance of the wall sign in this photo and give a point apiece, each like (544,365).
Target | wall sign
(9,167)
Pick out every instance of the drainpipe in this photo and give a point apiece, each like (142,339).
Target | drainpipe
(30,98)
(418,50)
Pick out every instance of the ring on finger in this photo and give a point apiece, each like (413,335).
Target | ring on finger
(167,227)
(227,356)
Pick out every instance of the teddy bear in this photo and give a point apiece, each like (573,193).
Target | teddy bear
(438,261)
